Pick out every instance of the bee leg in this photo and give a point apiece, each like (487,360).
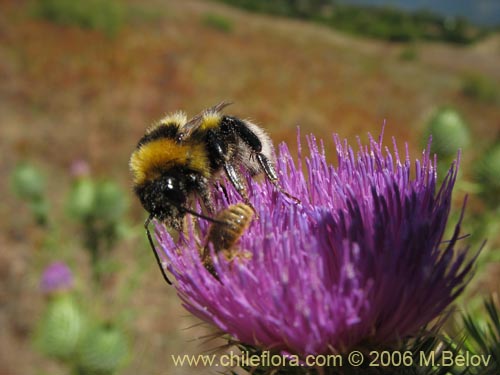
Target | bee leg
(235,179)
(207,262)
(251,139)
(271,174)
(157,257)
(206,197)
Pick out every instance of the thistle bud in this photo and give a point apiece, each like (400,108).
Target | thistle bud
(62,328)
(104,350)
(27,182)
(82,198)
(449,133)
(110,201)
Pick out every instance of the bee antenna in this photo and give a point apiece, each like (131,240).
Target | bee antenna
(157,257)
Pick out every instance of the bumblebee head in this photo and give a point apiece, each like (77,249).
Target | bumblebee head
(165,196)
(173,189)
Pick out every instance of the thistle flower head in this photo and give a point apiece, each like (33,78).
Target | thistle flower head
(56,277)
(79,168)
(360,260)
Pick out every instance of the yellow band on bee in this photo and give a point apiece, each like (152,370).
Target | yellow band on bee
(178,118)
(210,120)
(151,159)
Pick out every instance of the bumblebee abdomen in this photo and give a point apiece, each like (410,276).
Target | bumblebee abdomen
(152,159)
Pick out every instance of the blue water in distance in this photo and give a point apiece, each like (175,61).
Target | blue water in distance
(480,12)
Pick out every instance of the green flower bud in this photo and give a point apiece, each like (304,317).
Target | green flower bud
(27,182)
(449,133)
(62,328)
(81,202)
(110,201)
(103,351)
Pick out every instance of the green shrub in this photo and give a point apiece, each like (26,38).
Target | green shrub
(409,53)
(389,23)
(487,174)
(104,15)
(480,88)
(218,22)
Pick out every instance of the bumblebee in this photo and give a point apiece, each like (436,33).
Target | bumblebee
(177,161)
(231,223)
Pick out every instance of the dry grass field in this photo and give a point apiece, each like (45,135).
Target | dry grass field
(68,93)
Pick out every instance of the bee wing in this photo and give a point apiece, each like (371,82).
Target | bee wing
(189,127)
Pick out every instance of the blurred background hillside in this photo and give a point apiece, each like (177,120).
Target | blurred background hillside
(81,81)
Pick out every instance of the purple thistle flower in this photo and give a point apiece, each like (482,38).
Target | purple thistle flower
(56,277)
(79,168)
(361,260)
